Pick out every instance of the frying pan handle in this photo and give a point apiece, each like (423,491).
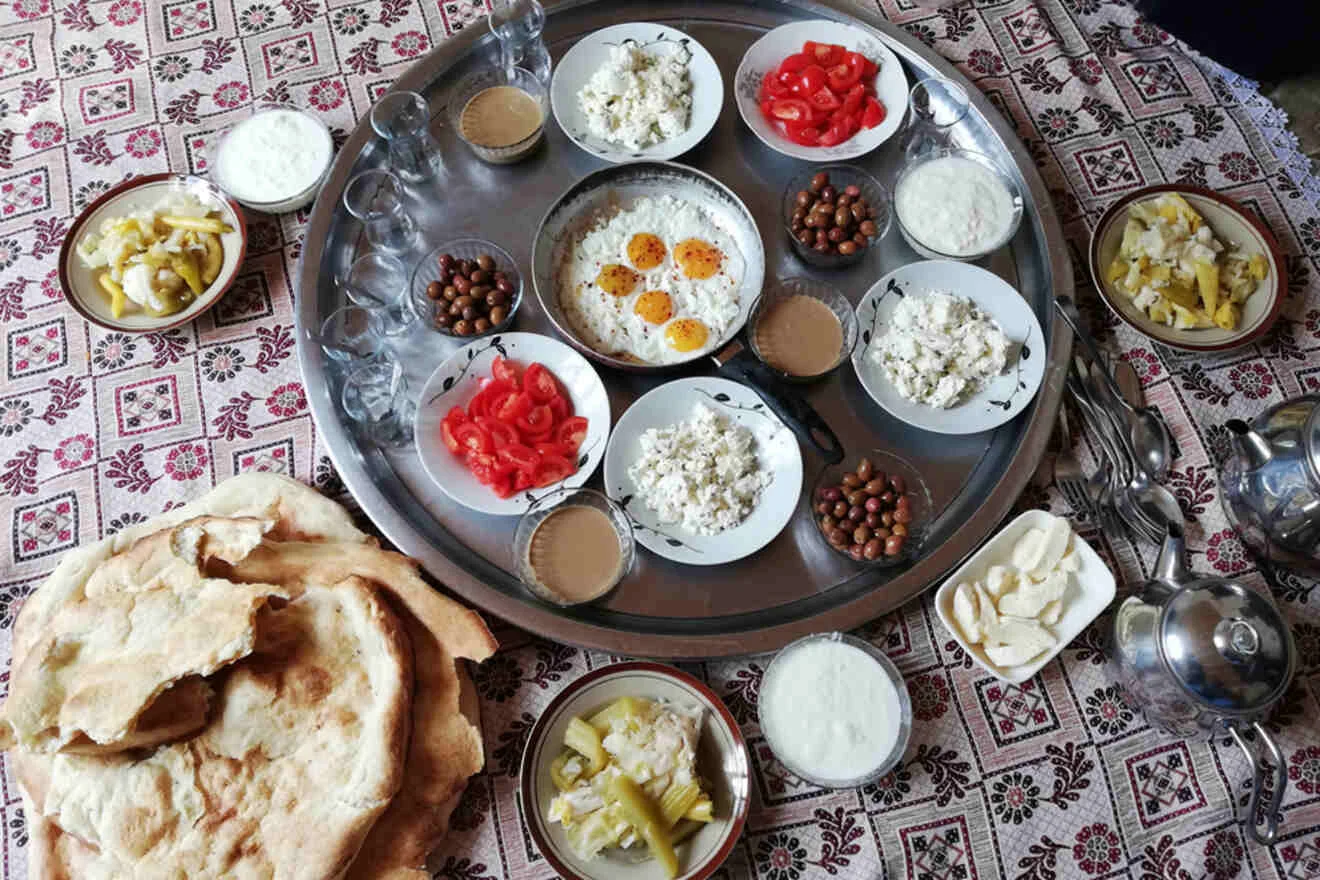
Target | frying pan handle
(810,428)
(1267,743)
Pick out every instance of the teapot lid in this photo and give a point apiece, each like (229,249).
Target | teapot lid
(1227,645)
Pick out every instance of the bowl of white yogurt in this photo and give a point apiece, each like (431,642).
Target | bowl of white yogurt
(274,160)
(835,710)
(956,205)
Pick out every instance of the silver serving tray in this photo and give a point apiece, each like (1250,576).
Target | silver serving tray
(796,585)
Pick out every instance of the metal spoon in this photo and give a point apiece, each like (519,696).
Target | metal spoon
(1150,438)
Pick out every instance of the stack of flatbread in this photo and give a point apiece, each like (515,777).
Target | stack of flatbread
(246,686)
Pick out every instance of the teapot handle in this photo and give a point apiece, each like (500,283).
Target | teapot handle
(1266,837)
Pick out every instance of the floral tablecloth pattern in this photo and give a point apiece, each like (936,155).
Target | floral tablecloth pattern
(1056,777)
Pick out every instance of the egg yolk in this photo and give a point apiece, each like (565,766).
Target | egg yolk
(616,279)
(654,306)
(646,251)
(698,259)
(686,334)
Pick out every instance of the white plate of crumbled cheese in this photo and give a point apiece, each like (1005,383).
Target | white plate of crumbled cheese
(637,91)
(704,470)
(948,347)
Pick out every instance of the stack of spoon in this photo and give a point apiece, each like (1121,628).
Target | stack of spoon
(1135,444)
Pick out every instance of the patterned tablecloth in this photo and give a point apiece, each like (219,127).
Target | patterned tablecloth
(1053,778)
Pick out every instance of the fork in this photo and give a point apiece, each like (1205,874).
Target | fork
(1069,476)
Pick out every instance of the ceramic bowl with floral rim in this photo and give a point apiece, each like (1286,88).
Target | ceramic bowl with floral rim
(80,284)
(767,53)
(1232,223)
(722,761)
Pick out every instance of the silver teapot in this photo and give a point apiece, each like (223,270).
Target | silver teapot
(1203,655)
(1270,485)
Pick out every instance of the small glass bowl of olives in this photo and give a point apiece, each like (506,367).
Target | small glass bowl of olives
(466,288)
(874,510)
(834,215)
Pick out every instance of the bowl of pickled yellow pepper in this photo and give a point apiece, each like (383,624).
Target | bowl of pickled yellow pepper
(1188,267)
(152,253)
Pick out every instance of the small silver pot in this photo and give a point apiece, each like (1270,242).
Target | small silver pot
(1202,655)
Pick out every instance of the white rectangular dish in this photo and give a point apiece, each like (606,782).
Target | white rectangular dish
(1091,590)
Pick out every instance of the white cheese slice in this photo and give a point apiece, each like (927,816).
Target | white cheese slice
(967,612)
(1020,639)
(1053,546)
(1000,579)
(1050,614)
(1028,550)
(989,619)
(1032,596)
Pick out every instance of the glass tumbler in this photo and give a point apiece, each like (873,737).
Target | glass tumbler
(376,398)
(517,24)
(935,106)
(403,120)
(379,282)
(351,333)
(376,199)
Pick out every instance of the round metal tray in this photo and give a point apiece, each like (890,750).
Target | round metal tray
(794,586)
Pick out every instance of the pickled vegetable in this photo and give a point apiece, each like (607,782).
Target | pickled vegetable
(642,814)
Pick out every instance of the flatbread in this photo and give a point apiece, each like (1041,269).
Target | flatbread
(306,753)
(445,747)
(146,619)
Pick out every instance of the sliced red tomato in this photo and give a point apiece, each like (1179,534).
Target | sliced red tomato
(473,437)
(825,54)
(807,136)
(519,456)
(510,406)
(824,100)
(841,77)
(553,468)
(873,115)
(536,423)
(772,87)
(552,447)
(523,480)
(455,417)
(853,100)
(813,80)
(539,384)
(504,370)
(502,486)
(795,62)
(791,110)
(869,69)
(560,407)
(500,434)
(571,433)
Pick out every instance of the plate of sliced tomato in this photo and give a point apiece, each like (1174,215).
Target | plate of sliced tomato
(510,417)
(821,90)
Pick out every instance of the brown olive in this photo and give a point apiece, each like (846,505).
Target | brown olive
(499,276)
(873,549)
(455,309)
(841,217)
(900,529)
(867,228)
(486,262)
(495,298)
(466,267)
(880,477)
(883,533)
(861,535)
(463,302)
(903,503)
(874,487)
(858,211)
(471,313)
(807,237)
(481,276)
(853,190)
(857,552)
(902,516)
(848,248)
(872,504)
(463,328)
(447,262)
(822,237)
(799,215)
(822,247)
(887,518)
(497,315)
(823,209)
(865,469)
(857,514)
(481,325)
(462,284)
(479,291)
(819,181)
(843,201)
(443,320)
(827,193)
(504,286)
(803,198)
(823,508)
(450,292)
(827,523)
(873,520)
(850,480)
(857,497)
(434,290)
(894,545)
(840,509)
(836,235)
(833,493)
(888,497)
(897,483)
(838,537)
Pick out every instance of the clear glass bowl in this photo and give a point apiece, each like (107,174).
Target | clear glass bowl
(891,672)
(981,159)
(285,204)
(921,504)
(428,270)
(487,78)
(841,176)
(786,288)
(548,504)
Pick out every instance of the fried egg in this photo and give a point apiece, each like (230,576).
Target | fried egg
(655,281)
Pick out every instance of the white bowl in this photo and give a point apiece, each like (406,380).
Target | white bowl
(766,54)
(1000,400)
(721,759)
(1090,593)
(591,52)
(80,286)
(777,453)
(456,381)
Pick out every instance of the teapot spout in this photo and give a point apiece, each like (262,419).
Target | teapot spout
(1170,570)
(1248,444)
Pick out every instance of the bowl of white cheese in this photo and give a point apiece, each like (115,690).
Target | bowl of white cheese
(956,205)
(274,160)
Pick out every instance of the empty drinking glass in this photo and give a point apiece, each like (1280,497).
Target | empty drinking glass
(376,398)
(935,106)
(351,333)
(376,198)
(403,119)
(517,24)
(380,282)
